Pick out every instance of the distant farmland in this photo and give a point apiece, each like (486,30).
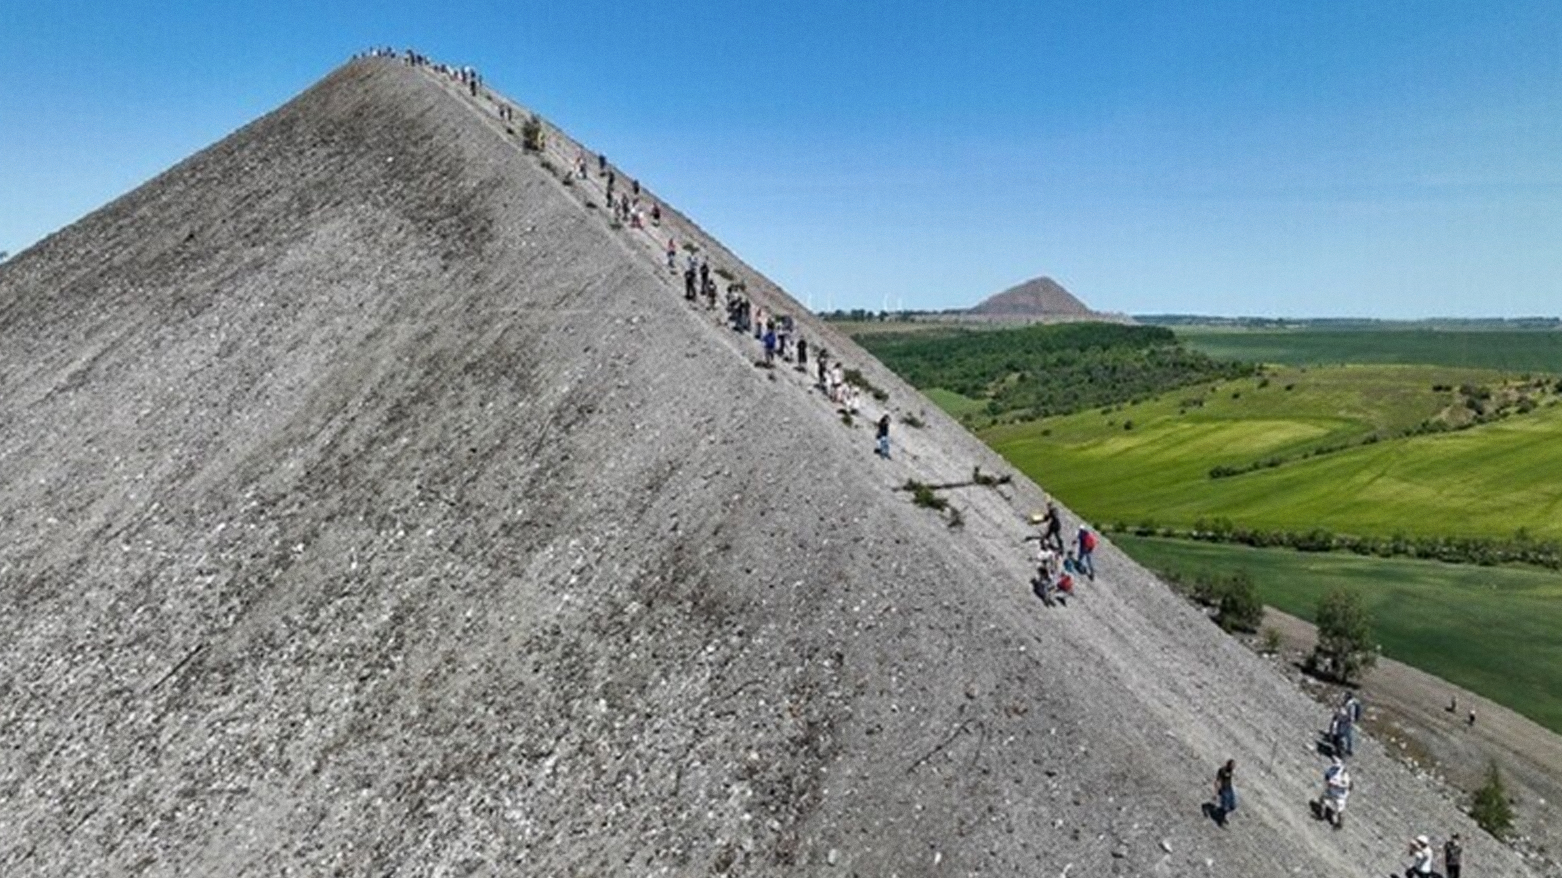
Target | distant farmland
(1152,461)
(1514,351)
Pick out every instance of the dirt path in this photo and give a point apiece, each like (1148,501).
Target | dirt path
(1408,710)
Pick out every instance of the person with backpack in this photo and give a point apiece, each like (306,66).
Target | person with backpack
(1086,547)
(1336,790)
(883,437)
(1350,715)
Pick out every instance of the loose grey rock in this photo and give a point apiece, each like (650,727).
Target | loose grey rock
(448,625)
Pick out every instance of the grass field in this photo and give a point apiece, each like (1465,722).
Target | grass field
(1514,351)
(1491,630)
(956,405)
(1151,461)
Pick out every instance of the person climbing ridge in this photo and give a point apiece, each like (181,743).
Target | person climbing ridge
(1054,521)
(1336,792)
(883,437)
(1225,791)
(1420,858)
(1086,547)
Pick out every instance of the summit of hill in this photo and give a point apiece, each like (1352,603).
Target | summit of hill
(1037,297)
(377,503)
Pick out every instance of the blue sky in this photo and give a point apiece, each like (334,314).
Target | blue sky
(1376,159)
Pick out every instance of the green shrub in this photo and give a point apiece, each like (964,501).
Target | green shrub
(532,137)
(1491,809)
(1345,647)
(855,378)
(923,495)
(1269,640)
(1240,608)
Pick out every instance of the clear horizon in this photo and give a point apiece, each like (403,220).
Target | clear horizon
(1302,160)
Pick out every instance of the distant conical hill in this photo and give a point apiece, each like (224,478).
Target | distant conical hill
(1037,297)
(375,503)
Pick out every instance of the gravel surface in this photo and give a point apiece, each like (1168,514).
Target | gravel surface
(373,506)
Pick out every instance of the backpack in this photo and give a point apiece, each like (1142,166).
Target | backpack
(1088,540)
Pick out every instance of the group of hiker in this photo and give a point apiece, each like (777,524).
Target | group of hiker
(467,76)
(1058,563)
(777,334)
(1337,785)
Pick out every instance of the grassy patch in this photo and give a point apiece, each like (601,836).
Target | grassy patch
(1440,618)
(1332,468)
(954,404)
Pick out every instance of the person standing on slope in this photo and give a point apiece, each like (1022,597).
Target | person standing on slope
(1336,791)
(1054,535)
(1420,858)
(1225,791)
(1453,856)
(883,437)
(1086,546)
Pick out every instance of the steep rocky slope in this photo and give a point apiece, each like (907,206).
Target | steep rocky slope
(374,506)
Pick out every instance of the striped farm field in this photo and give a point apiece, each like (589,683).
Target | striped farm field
(1152,461)
(1437,617)
(1513,351)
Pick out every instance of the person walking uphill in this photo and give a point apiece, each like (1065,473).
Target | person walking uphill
(1086,540)
(883,437)
(1054,534)
(1225,791)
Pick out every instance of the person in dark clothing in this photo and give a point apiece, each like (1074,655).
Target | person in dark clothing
(1453,856)
(1225,791)
(883,437)
(802,352)
(688,284)
(1053,537)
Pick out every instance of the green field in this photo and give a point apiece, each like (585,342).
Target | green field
(1371,432)
(1151,461)
(956,405)
(1490,630)
(1514,351)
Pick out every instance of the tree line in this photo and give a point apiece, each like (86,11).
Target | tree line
(1043,370)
